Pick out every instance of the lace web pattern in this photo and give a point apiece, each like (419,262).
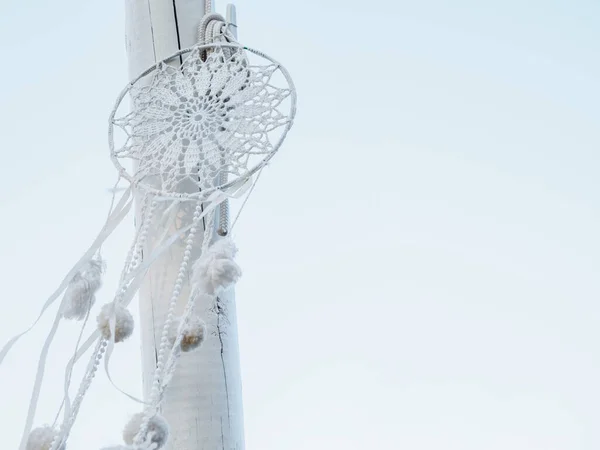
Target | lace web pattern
(218,117)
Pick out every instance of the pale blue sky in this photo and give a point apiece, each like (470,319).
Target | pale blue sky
(421,260)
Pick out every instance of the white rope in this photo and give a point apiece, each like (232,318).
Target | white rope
(213,28)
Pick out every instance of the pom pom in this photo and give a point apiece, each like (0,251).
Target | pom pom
(216,269)
(194,333)
(123,322)
(80,294)
(157,432)
(41,438)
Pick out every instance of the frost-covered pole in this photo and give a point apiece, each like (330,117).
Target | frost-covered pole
(203,404)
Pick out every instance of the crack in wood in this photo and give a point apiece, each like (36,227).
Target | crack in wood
(152,30)
(222,436)
(220,334)
(177,30)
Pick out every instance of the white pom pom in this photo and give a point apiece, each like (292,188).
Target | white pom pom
(194,333)
(79,299)
(216,269)
(80,294)
(123,322)
(157,431)
(41,438)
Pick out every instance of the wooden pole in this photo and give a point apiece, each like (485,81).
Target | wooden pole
(204,400)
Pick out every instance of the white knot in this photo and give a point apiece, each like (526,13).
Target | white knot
(41,438)
(157,431)
(123,322)
(80,294)
(194,333)
(216,269)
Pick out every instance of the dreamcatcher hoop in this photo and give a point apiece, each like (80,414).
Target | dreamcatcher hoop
(197,133)
(283,127)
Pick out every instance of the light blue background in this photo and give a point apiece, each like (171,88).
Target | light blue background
(421,260)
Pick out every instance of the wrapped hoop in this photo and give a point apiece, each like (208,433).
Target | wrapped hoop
(209,124)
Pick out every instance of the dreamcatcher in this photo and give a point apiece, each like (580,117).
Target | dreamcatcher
(197,136)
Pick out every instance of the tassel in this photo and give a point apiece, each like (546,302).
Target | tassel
(216,269)
(80,294)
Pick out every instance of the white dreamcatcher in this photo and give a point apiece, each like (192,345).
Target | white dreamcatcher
(197,136)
